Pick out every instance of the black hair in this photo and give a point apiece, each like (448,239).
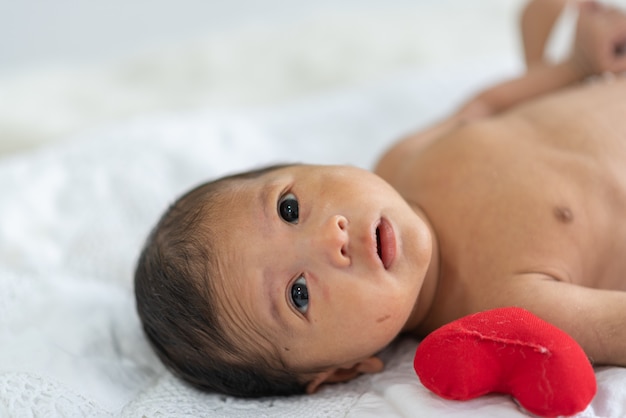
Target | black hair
(176,302)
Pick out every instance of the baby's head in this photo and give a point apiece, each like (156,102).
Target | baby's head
(274,281)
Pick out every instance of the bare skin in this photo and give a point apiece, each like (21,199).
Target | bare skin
(536,22)
(525,189)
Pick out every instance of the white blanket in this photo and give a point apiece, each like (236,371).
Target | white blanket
(73,217)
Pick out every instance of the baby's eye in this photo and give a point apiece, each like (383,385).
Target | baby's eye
(300,295)
(288,208)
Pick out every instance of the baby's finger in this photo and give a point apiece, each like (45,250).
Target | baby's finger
(619,59)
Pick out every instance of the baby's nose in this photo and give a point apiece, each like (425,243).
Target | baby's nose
(333,240)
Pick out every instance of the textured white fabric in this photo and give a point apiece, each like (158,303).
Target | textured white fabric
(73,218)
(256,62)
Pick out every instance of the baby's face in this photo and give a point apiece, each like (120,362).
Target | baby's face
(323,264)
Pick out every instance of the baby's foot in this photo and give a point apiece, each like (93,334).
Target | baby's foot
(507,350)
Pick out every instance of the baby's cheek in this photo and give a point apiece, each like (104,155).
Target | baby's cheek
(387,324)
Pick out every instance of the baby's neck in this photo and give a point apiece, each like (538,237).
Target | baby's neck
(428,290)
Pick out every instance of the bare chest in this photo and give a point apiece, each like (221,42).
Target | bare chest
(504,207)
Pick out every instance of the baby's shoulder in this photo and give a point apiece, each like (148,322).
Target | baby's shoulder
(399,157)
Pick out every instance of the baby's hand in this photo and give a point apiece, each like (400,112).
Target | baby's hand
(600,43)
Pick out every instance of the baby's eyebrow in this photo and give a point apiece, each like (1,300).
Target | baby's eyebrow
(263,196)
(270,296)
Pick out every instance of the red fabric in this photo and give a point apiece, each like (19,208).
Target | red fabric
(507,350)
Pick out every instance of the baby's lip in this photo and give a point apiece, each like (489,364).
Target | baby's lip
(385,239)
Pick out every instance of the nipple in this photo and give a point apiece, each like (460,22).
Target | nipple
(563,214)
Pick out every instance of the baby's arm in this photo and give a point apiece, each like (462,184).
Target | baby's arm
(536,82)
(595,318)
(599,46)
(540,80)
(536,25)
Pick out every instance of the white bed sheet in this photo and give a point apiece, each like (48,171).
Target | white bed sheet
(74,215)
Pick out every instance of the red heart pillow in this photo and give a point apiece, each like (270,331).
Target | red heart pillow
(507,350)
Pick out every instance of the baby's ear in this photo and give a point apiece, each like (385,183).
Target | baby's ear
(345,373)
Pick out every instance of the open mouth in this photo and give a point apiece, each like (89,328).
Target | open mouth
(385,243)
(378,249)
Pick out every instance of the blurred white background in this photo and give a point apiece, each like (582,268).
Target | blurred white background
(71,65)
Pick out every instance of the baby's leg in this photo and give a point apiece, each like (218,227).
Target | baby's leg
(537,20)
